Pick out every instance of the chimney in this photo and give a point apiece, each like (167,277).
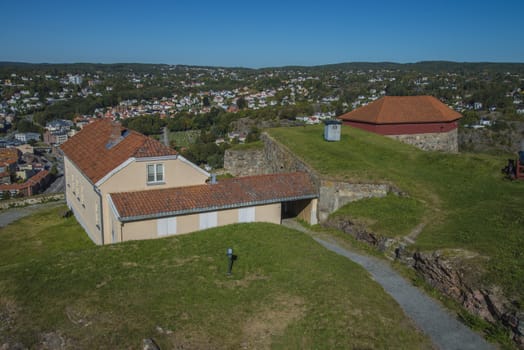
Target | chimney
(117,134)
(213,179)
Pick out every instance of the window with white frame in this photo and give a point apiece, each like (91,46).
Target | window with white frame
(155,173)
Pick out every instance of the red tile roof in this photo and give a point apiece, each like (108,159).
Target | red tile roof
(9,156)
(39,176)
(34,180)
(403,109)
(228,193)
(89,149)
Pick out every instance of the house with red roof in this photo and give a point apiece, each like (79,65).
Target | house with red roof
(34,185)
(122,185)
(422,121)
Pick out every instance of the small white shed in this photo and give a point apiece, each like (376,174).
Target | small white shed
(332,129)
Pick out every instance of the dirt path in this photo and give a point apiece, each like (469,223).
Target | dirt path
(444,330)
(414,233)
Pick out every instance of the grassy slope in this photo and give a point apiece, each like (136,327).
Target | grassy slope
(462,198)
(285,292)
(248,146)
(184,138)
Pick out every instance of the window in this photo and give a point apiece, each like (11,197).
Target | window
(155,173)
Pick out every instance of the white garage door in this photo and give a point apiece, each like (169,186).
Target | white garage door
(246,214)
(208,220)
(166,226)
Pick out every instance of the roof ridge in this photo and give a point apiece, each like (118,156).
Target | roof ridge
(143,140)
(381,102)
(220,182)
(403,109)
(436,103)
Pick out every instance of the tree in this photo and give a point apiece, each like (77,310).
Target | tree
(216,160)
(180,123)
(6,195)
(148,124)
(469,118)
(24,125)
(253,135)
(241,103)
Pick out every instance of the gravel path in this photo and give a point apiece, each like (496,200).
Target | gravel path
(445,331)
(8,216)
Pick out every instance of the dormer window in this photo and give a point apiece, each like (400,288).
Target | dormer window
(155,173)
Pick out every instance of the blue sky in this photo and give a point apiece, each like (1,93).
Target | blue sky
(261,34)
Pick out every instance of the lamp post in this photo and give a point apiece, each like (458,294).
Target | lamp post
(230,260)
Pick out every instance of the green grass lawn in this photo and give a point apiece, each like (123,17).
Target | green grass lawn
(184,138)
(391,216)
(285,292)
(462,199)
(256,145)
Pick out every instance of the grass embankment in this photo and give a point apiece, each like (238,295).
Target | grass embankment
(184,138)
(286,291)
(257,145)
(462,199)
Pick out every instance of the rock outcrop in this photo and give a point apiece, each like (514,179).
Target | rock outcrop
(451,273)
(359,232)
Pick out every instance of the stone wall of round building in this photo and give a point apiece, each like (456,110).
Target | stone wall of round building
(441,141)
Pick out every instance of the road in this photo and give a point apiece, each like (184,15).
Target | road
(58,186)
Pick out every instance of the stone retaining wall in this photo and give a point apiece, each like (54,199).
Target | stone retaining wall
(276,158)
(21,202)
(245,162)
(335,194)
(279,159)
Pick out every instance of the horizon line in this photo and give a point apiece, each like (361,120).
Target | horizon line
(256,68)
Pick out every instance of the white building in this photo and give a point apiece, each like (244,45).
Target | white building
(76,79)
(27,136)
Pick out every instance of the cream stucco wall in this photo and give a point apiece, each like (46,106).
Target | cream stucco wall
(139,230)
(114,227)
(133,177)
(147,229)
(309,213)
(82,199)
(268,213)
(227,217)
